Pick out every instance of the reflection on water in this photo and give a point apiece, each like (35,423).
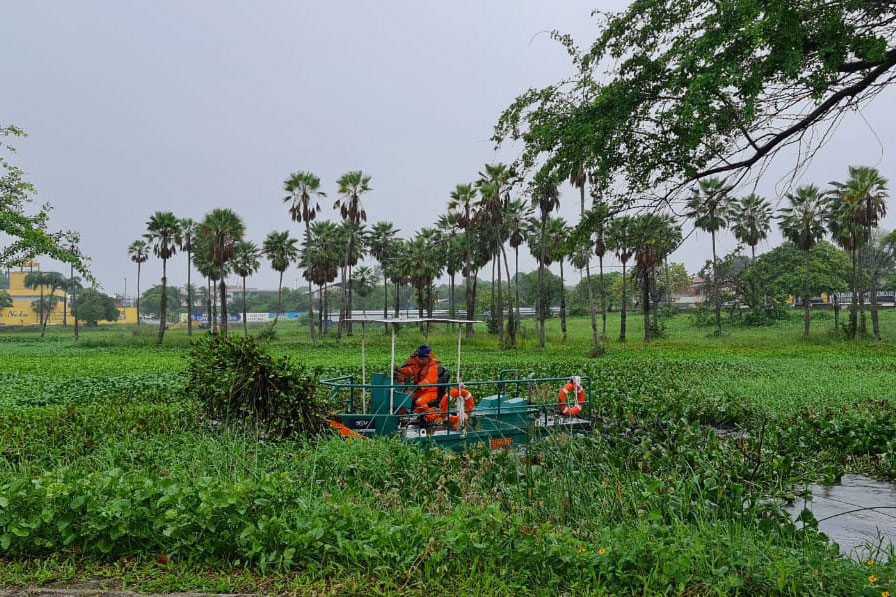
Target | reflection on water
(853,530)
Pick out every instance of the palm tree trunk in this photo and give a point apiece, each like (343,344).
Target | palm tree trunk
(223,286)
(310,312)
(245,325)
(163,302)
(74,300)
(65,308)
(279,295)
(511,321)
(351,300)
(603,298)
(385,300)
(516,280)
(469,294)
(853,305)
(646,306)
(806,297)
(715,284)
(541,307)
(872,277)
(41,310)
(214,298)
(397,300)
(325,312)
(494,296)
(624,307)
(138,295)
(453,310)
(594,337)
(189,299)
(500,306)
(562,302)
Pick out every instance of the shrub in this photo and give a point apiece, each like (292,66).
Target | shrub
(236,381)
(267,333)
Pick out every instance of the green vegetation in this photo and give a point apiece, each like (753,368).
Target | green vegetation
(108,467)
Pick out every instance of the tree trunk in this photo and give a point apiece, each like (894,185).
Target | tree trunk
(836,305)
(214,297)
(65,308)
(189,298)
(74,312)
(516,281)
(511,320)
(716,290)
(453,311)
(320,309)
(325,312)
(350,304)
(624,307)
(541,307)
(806,297)
(872,277)
(223,287)
(594,337)
(245,324)
(163,302)
(41,310)
(208,303)
(397,300)
(138,295)
(311,312)
(500,304)
(469,294)
(853,304)
(646,306)
(279,295)
(562,301)
(603,298)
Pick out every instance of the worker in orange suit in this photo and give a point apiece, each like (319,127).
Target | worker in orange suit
(421,370)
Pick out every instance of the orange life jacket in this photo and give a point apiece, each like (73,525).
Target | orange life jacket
(423,376)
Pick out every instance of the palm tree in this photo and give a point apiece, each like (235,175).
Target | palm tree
(578,178)
(601,213)
(421,269)
(461,199)
(750,219)
(708,207)
(556,233)
(863,204)
(517,216)
(320,259)
(34,281)
(72,286)
(802,223)
(221,230)
(55,281)
(448,227)
(161,233)
(303,190)
(379,242)
(186,234)
(395,270)
(652,237)
(362,282)
(546,199)
(280,250)
(350,234)
(211,274)
(139,254)
(352,185)
(619,240)
(245,263)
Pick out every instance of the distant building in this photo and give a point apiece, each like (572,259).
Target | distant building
(24,301)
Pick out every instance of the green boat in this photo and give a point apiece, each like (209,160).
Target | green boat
(509,411)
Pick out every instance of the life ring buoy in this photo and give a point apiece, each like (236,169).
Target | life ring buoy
(469,403)
(563,398)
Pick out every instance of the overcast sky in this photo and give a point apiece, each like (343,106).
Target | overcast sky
(186,106)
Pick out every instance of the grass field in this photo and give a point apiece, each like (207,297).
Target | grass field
(109,471)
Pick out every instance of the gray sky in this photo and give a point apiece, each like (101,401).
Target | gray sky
(137,107)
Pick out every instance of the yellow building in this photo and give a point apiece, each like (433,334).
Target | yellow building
(23,301)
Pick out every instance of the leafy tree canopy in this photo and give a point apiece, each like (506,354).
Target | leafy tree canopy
(696,88)
(782,270)
(151,300)
(92,306)
(24,234)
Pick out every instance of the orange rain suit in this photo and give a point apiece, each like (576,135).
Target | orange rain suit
(420,375)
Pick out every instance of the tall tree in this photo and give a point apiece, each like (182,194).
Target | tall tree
(138,251)
(350,234)
(379,244)
(708,207)
(321,259)
(546,199)
(352,186)
(556,234)
(578,178)
(462,198)
(221,230)
(750,221)
(303,191)
(37,281)
(186,234)
(620,242)
(652,237)
(281,250)
(245,263)
(517,217)
(862,204)
(802,223)
(162,236)
(362,282)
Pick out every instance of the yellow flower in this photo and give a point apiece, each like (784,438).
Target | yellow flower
(581,549)
(870,562)
(872,579)
(601,551)
(885,594)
